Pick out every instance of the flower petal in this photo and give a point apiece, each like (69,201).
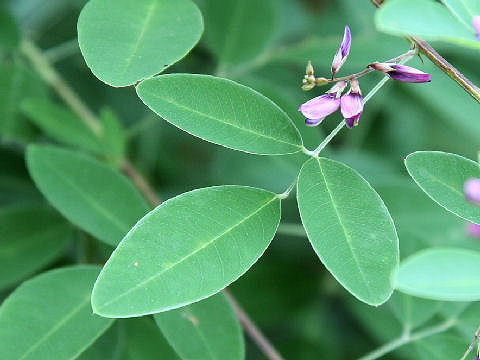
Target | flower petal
(351,105)
(408,74)
(313,122)
(320,107)
(472,190)
(343,51)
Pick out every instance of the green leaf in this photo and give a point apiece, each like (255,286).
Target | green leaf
(425,18)
(207,330)
(464,10)
(241,35)
(443,346)
(30,238)
(113,137)
(349,228)
(187,249)
(125,41)
(442,176)
(16,83)
(412,311)
(441,274)
(108,346)
(144,341)
(221,111)
(50,315)
(61,124)
(90,194)
(9,31)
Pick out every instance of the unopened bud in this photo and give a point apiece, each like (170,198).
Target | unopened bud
(308,86)
(321,81)
(309,69)
(355,86)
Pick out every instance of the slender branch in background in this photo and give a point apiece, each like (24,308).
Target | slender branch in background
(62,51)
(140,182)
(252,330)
(53,78)
(407,338)
(44,67)
(441,63)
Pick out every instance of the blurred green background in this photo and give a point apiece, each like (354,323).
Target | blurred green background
(288,292)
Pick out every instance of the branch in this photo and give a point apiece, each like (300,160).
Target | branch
(46,70)
(426,49)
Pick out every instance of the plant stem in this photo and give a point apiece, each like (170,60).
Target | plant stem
(408,54)
(44,67)
(426,49)
(407,338)
(340,126)
(46,70)
(252,330)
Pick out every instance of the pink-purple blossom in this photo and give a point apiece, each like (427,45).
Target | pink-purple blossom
(402,72)
(318,108)
(476,25)
(351,104)
(473,230)
(342,52)
(471,189)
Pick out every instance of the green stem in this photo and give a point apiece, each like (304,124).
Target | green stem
(46,70)
(340,126)
(407,338)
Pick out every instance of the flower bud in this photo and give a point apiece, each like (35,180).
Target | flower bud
(472,190)
(476,25)
(402,72)
(351,104)
(309,69)
(321,81)
(473,230)
(338,88)
(308,86)
(342,52)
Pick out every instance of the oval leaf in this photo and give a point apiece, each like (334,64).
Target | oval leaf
(187,249)
(30,238)
(221,111)
(207,330)
(442,176)
(144,341)
(243,34)
(425,18)
(350,228)
(124,41)
(56,308)
(441,274)
(88,193)
(464,10)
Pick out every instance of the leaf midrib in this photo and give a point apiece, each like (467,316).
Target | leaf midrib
(90,200)
(54,329)
(212,241)
(186,108)
(345,231)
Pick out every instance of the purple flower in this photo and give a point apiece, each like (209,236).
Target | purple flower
(472,190)
(342,52)
(476,25)
(351,104)
(476,357)
(402,72)
(317,109)
(473,230)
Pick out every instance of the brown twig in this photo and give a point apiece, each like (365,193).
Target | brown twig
(252,330)
(426,49)
(141,184)
(54,79)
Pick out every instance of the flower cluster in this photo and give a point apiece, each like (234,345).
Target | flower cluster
(351,104)
(471,190)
